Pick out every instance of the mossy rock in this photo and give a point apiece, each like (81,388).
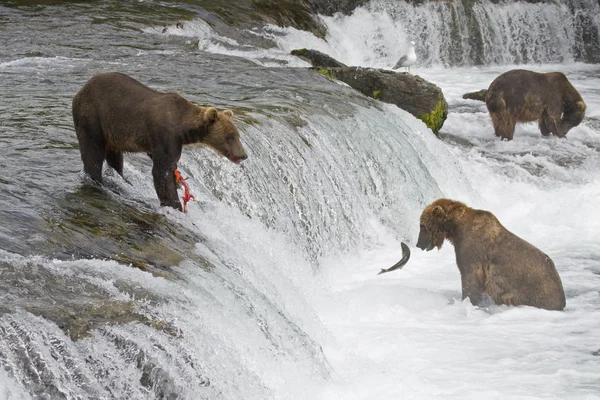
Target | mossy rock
(327,73)
(411,93)
(316,58)
(78,320)
(435,119)
(478,95)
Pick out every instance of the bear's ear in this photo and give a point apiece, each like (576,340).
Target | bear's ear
(228,113)
(438,212)
(211,114)
(580,105)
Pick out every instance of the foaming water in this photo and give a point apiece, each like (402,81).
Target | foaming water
(409,334)
(277,296)
(233,318)
(457,33)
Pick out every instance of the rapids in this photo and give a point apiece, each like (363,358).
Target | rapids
(268,288)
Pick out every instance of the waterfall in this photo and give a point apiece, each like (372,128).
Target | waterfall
(487,32)
(463,33)
(268,287)
(323,178)
(471,32)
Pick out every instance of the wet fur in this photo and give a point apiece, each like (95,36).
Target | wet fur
(491,259)
(526,96)
(113,113)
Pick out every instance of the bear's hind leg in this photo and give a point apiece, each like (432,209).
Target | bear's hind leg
(115,159)
(92,149)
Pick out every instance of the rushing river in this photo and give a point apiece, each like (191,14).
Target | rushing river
(267,288)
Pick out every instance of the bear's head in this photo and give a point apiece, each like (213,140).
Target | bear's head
(437,223)
(573,113)
(222,135)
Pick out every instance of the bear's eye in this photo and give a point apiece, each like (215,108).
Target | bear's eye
(230,139)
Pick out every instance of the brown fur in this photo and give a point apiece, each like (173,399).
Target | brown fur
(491,259)
(113,113)
(525,96)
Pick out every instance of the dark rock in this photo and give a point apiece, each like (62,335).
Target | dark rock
(297,14)
(479,95)
(247,14)
(330,7)
(317,59)
(409,92)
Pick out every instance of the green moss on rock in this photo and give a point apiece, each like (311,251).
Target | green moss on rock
(78,320)
(376,94)
(435,119)
(327,72)
(299,52)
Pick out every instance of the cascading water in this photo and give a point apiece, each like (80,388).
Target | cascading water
(268,287)
(346,172)
(461,33)
(324,178)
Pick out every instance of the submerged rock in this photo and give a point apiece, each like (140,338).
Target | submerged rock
(74,302)
(78,320)
(91,224)
(479,95)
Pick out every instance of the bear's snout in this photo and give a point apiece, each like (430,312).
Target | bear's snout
(424,242)
(237,159)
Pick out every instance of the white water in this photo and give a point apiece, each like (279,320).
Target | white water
(446,33)
(408,334)
(296,239)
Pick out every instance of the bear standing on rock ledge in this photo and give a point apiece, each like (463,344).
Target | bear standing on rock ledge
(492,261)
(526,96)
(113,113)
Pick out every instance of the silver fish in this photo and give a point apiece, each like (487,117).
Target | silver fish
(402,262)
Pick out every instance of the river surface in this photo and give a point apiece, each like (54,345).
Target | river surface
(267,288)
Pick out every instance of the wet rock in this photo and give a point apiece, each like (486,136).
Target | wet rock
(409,92)
(317,59)
(297,14)
(478,95)
(91,224)
(78,320)
(76,304)
(330,7)
(249,14)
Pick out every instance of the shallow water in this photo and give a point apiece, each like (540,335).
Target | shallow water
(268,287)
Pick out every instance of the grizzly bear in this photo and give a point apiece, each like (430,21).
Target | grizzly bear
(525,96)
(113,113)
(492,261)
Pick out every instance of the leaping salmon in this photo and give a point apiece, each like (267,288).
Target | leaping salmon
(402,262)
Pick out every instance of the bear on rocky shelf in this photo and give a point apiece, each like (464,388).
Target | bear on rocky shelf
(492,261)
(113,113)
(525,96)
